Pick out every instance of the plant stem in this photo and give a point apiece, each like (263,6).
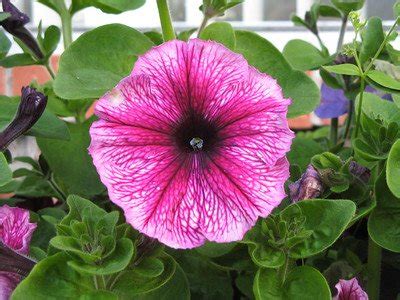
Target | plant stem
(50,70)
(66,23)
(166,21)
(203,25)
(335,121)
(58,191)
(360,102)
(374,269)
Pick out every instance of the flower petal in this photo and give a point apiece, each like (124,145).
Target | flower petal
(350,290)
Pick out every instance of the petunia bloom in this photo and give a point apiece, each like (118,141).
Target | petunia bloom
(350,290)
(334,103)
(15,233)
(192,144)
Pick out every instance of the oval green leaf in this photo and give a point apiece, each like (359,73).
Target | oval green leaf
(393,169)
(5,171)
(221,32)
(98,60)
(344,69)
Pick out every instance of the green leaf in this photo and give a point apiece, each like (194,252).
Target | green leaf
(346,6)
(150,267)
(107,6)
(327,219)
(51,278)
(5,171)
(329,11)
(5,44)
(186,34)
(303,56)
(131,283)
(17,60)
(51,39)
(344,69)
(77,205)
(155,36)
(48,126)
(296,85)
(56,5)
(4,15)
(71,163)
(384,79)
(375,107)
(302,150)
(114,263)
(221,32)
(384,221)
(88,71)
(393,169)
(372,37)
(176,288)
(211,249)
(301,283)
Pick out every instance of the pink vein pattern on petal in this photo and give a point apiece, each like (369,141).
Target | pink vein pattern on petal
(15,229)
(192,144)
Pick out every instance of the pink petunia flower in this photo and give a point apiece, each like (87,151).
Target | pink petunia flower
(192,144)
(15,229)
(15,232)
(350,290)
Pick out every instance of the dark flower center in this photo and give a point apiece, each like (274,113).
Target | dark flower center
(195,133)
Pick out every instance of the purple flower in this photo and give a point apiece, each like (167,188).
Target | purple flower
(15,235)
(15,25)
(379,93)
(350,290)
(30,109)
(309,186)
(192,144)
(359,171)
(333,104)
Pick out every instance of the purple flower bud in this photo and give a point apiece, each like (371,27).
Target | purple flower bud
(30,109)
(15,25)
(359,171)
(350,290)
(344,59)
(334,103)
(309,186)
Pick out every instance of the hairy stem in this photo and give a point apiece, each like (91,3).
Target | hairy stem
(50,70)
(166,21)
(203,25)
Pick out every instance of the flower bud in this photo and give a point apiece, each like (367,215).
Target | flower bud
(309,186)
(15,25)
(30,109)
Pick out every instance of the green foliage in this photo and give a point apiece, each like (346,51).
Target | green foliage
(71,163)
(302,150)
(213,8)
(382,79)
(344,69)
(100,68)
(211,249)
(372,37)
(266,58)
(303,56)
(301,230)
(393,169)
(5,44)
(384,221)
(301,283)
(221,32)
(5,172)
(346,6)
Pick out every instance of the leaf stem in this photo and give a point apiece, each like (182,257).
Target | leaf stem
(50,69)
(374,269)
(360,102)
(203,25)
(66,24)
(58,191)
(166,21)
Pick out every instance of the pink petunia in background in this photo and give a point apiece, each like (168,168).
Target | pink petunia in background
(16,233)
(350,290)
(192,144)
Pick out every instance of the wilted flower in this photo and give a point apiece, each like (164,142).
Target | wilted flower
(192,144)
(334,103)
(309,186)
(359,171)
(15,235)
(30,109)
(15,25)
(350,290)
